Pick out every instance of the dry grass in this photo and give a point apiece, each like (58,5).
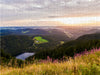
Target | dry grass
(88,64)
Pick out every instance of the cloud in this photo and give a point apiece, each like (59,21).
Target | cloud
(36,9)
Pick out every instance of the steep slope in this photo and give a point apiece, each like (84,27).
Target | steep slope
(90,36)
(16,44)
(69,48)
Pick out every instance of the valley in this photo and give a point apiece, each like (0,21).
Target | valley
(24,46)
(17,40)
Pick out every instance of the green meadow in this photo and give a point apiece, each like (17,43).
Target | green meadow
(39,40)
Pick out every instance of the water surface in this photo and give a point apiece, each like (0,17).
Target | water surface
(23,56)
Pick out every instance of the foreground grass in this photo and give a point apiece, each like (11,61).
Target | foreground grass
(87,64)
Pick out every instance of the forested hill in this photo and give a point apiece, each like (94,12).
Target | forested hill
(72,47)
(90,36)
(17,44)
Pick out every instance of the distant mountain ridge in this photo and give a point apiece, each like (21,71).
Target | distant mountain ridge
(29,31)
(21,32)
(80,30)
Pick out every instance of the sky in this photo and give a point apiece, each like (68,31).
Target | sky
(49,12)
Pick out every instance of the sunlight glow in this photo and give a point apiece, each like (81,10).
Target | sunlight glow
(78,20)
(68,21)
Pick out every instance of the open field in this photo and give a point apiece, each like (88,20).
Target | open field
(39,40)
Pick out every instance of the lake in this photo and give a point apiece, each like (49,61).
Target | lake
(25,55)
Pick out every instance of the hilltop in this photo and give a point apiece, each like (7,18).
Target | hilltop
(83,64)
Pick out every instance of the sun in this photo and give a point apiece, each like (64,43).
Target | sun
(78,20)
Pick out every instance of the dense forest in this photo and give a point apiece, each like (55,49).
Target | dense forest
(88,42)
(68,49)
(17,44)
(8,60)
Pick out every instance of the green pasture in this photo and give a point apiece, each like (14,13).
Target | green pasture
(39,40)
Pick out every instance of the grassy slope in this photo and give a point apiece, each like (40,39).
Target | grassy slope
(88,64)
(40,40)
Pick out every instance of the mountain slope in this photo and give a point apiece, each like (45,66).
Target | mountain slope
(69,48)
(90,36)
(17,44)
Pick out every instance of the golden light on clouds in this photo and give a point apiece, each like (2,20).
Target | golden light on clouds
(49,12)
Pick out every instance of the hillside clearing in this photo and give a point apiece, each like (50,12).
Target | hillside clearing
(39,40)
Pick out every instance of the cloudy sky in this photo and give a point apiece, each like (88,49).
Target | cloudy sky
(49,12)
